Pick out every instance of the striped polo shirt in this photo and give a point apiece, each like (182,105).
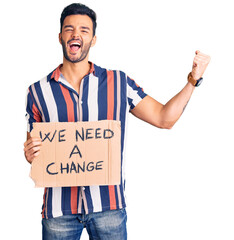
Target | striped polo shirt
(104,95)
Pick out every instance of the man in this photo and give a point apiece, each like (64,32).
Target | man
(79,90)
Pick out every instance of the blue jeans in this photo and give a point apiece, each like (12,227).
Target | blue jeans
(108,225)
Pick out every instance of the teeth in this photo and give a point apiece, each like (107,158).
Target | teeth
(75,44)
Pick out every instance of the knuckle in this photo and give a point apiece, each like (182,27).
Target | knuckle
(30,160)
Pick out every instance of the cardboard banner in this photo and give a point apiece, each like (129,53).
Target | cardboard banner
(77,154)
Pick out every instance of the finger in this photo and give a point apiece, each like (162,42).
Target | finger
(201,61)
(30,156)
(202,57)
(196,61)
(33,150)
(30,160)
(30,140)
(32,153)
(36,153)
(198,53)
(32,145)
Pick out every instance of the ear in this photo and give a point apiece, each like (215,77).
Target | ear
(60,37)
(94,41)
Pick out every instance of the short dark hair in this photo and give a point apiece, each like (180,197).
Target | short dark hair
(78,8)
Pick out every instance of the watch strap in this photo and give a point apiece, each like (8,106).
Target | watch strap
(194,82)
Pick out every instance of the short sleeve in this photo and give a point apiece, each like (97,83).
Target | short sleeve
(32,112)
(134,93)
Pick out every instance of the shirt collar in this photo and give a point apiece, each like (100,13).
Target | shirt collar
(56,73)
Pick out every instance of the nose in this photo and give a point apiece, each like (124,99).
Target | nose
(76,33)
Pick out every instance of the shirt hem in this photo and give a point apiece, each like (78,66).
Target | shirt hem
(68,212)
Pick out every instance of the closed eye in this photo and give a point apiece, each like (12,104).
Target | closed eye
(85,29)
(68,28)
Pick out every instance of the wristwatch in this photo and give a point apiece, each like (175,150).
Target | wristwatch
(194,82)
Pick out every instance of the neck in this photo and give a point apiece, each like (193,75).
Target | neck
(75,72)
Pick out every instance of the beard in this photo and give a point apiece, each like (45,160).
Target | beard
(84,52)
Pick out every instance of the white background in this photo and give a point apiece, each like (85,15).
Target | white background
(179,182)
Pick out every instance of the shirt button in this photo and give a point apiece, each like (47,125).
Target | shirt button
(83,188)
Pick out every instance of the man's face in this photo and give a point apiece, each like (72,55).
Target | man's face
(77,37)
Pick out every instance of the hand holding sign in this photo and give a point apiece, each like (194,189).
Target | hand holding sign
(77,154)
(32,148)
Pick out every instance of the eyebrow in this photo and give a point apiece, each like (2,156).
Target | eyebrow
(68,26)
(83,27)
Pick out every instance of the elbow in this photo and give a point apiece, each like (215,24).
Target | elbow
(166,125)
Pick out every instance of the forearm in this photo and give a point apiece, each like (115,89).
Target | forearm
(174,108)
(163,116)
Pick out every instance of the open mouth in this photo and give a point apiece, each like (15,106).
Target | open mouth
(74,46)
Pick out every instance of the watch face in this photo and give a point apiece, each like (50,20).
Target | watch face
(199,81)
